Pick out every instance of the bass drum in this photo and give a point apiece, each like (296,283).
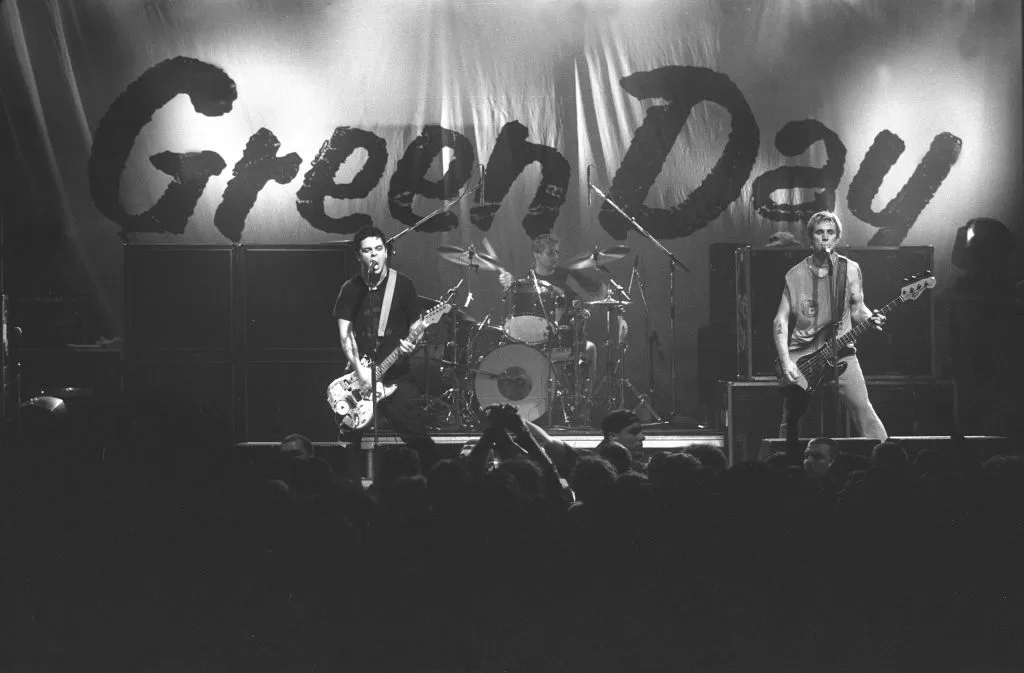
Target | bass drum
(514,374)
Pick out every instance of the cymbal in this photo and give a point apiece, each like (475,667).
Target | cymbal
(596,258)
(608,302)
(473,258)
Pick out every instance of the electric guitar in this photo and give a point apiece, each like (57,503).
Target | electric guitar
(345,395)
(817,360)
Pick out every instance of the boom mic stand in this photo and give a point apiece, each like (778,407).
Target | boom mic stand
(644,399)
(673,263)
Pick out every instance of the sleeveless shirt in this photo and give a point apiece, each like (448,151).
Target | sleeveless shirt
(810,301)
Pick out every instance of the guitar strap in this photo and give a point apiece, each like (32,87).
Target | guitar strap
(385,308)
(839,300)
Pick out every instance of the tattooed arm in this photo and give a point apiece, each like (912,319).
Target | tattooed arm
(780,328)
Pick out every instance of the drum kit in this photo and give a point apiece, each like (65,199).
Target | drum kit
(532,356)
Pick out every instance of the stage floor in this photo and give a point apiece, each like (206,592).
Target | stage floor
(654,439)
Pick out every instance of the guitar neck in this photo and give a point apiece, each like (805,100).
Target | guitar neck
(860,328)
(391,359)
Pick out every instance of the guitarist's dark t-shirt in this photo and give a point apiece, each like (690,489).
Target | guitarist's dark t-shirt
(361,306)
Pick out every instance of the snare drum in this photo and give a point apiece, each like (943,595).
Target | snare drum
(525,318)
(569,333)
(514,374)
(484,337)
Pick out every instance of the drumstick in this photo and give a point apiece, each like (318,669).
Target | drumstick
(493,253)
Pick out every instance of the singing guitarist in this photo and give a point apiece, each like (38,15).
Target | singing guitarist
(806,315)
(358,308)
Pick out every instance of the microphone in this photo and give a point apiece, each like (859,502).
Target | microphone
(828,250)
(588,185)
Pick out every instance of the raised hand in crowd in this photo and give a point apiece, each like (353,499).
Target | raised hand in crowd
(506,417)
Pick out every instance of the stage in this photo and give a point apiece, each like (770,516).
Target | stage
(450,442)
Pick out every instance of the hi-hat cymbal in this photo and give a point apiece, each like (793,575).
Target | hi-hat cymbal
(469,257)
(596,258)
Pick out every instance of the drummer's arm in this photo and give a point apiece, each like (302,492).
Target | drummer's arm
(590,292)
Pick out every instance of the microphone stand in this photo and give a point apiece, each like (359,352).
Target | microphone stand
(673,263)
(838,309)
(373,401)
(443,208)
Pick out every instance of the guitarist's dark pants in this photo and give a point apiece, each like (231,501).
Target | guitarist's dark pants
(405,417)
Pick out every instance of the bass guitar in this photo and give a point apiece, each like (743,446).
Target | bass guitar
(816,361)
(345,395)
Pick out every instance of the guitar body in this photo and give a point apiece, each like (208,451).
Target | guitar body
(814,362)
(353,407)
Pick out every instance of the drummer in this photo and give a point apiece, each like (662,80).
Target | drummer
(574,284)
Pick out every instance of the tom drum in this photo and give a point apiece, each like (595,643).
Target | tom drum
(527,313)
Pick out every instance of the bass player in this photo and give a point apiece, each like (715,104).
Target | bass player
(358,308)
(807,301)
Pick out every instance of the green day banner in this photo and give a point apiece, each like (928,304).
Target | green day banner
(202,122)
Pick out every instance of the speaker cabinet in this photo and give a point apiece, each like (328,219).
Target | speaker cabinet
(289,292)
(286,397)
(909,407)
(752,411)
(290,340)
(716,361)
(179,297)
(906,348)
(199,391)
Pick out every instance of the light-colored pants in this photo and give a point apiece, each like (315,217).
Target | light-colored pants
(853,391)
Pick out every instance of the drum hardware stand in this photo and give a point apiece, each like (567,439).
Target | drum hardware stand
(673,263)
(644,399)
(454,398)
(615,348)
(581,401)
(612,379)
(456,390)
(550,394)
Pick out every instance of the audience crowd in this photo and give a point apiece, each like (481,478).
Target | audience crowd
(519,554)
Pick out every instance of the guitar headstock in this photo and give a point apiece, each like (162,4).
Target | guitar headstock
(915,286)
(433,315)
